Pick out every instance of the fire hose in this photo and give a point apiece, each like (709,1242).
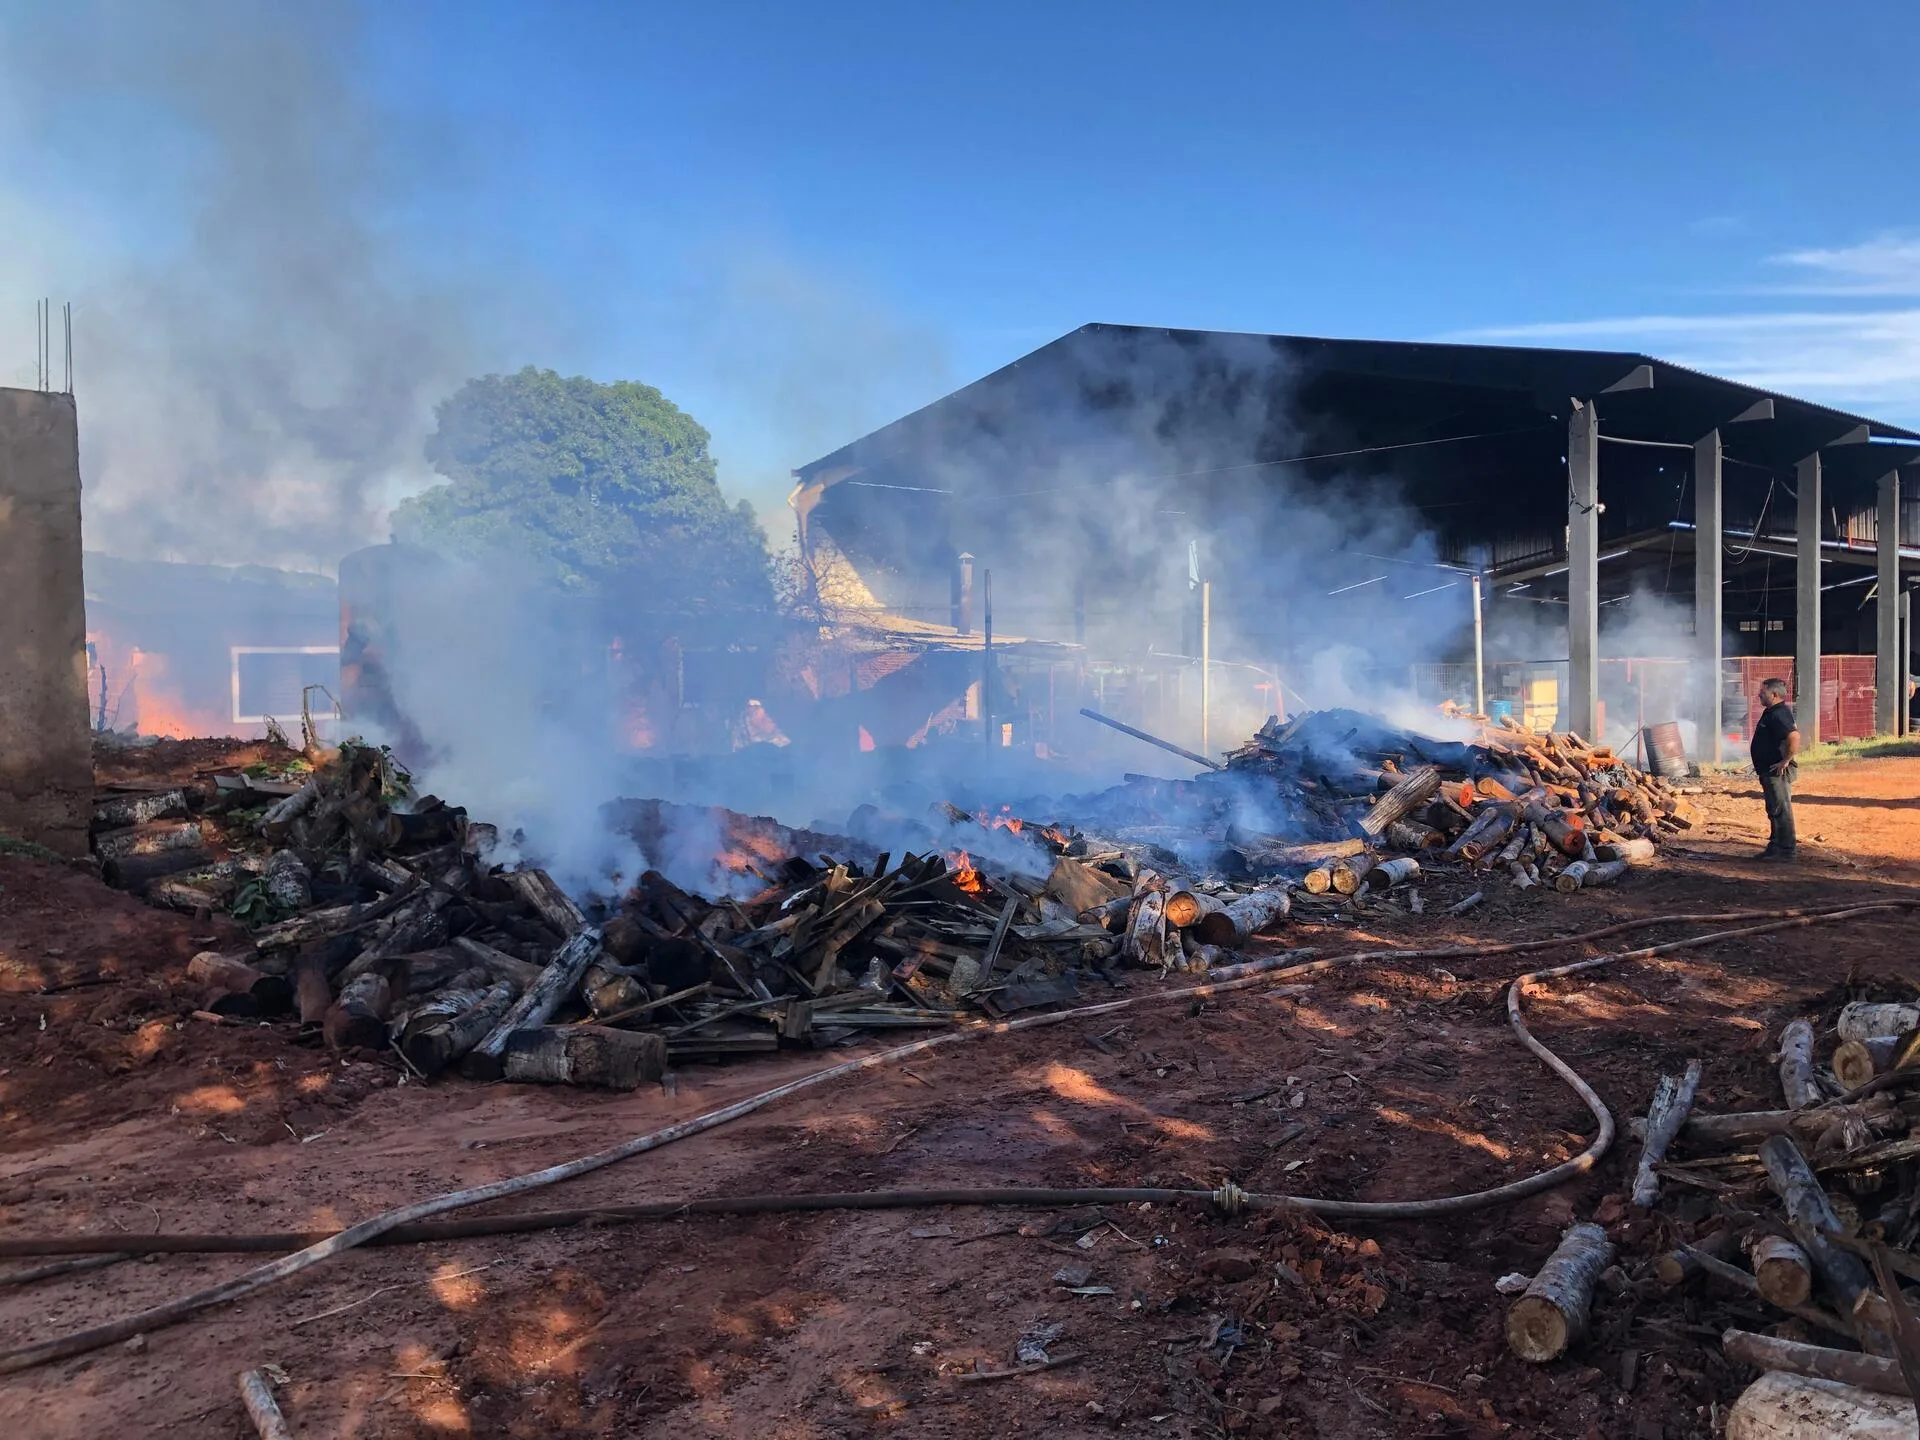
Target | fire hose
(404,1223)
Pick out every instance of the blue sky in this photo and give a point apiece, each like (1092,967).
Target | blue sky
(801,220)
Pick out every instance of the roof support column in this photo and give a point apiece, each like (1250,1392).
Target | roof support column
(1889,671)
(1708,554)
(1583,570)
(1806,608)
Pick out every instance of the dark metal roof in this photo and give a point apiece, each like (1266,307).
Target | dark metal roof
(1646,398)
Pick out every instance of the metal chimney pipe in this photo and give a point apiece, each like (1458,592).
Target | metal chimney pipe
(963,594)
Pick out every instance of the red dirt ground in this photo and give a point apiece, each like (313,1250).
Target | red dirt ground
(121,1115)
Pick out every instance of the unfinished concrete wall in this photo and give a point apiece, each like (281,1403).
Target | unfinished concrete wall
(46,757)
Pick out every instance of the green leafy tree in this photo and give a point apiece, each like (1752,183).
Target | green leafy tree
(601,488)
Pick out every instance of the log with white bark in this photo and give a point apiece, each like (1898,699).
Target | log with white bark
(1461,907)
(1634,852)
(282,813)
(1810,1216)
(1846,1367)
(538,892)
(287,881)
(1855,1062)
(1672,1103)
(1184,907)
(536,1006)
(1350,874)
(1868,1020)
(1782,1271)
(1245,918)
(434,1041)
(1390,873)
(154,838)
(1797,1080)
(1147,930)
(1416,789)
(1554,1313)
(133,873)
(585,1055)
(261,1407)
(1782,1406)
(359,1017)
(1586,874)
(120,811)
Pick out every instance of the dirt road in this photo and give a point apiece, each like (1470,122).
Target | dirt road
(1385,1081)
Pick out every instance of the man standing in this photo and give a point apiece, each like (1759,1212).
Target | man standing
(1776,743)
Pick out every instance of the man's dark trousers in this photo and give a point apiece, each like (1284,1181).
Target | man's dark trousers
(1778,790)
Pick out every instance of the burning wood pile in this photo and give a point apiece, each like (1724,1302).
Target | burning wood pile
(1343,802)
(379,922)
(1798,1221)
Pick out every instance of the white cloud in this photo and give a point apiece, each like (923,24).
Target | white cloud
(1885,265)
(1866,360)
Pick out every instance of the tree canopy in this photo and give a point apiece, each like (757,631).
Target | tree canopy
(601,488)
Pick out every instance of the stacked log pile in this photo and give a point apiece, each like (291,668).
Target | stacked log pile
(1341,801)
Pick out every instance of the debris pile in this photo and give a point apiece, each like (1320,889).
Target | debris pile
(1792,1228)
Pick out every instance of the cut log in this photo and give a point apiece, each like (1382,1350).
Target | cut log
(1780,1406)
(547,900)
(1675,1267)
(287,881)
(154,838)
(1233,927)
(232,976)
(1842,1274)
(1672,1103)
(1855,1062)
(1553,1314)
(1634,852)
(358,1019)
(607,988)
(1797,1079)
(121,811)
(1350,874)
(1486,834)
(1185,907)
(133,873)
(1419,786)
(1390,873)
(536,1006)
(1782,1271)
(1461,907)
(1866,1020)
(1147,930)
(433,1045)
(1318,880)
(1411,835)
(262,1410)
(282,813)
(1749,1127)
(1847,1367)
(1586,874)
(586,1055)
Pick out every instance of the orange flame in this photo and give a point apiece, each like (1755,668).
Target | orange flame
(966,875)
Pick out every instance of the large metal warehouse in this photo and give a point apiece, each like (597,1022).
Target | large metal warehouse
(1363,492)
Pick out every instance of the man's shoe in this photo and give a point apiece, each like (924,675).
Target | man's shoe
(1767,854)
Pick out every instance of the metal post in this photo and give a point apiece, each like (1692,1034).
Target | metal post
(1906,662)
(1479,653)
(963,594)
(1583,570)
(1708,557)
(1889,693)
(1206,666)
(986,673)
(1806,611)
(1080,610)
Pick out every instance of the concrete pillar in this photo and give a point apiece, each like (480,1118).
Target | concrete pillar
(1708,553)
(46,754)
(1806,608)
(1889,671)
(1583,570)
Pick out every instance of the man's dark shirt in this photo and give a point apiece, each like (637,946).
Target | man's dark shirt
(1770,736)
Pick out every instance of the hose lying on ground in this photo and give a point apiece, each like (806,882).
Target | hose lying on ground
(1230,978)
